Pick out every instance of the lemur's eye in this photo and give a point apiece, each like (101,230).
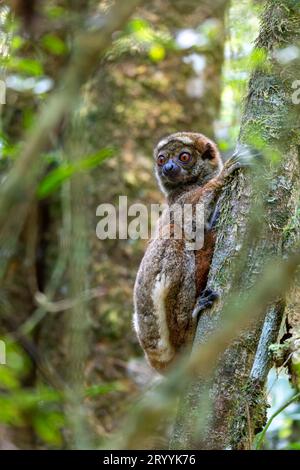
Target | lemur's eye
(160,160)
(185,157)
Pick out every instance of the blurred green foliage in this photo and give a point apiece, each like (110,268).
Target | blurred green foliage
(284,430)
(140,38)
(17,402)
(42,407)
(58,176)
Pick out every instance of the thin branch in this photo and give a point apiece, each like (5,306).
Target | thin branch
(67,304)
(262,435)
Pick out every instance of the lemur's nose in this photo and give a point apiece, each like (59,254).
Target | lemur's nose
(171,169)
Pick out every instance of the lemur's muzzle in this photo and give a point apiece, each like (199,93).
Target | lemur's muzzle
(171,169)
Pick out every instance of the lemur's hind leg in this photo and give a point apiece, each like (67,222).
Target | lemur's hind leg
(165,294)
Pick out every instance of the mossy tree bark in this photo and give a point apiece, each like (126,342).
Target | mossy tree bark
(236,387)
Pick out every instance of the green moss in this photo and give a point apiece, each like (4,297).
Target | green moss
(293,226)
(283,26)
(251,404)
(279,353)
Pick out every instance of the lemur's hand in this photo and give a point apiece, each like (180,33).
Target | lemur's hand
(243,156)
(206,300)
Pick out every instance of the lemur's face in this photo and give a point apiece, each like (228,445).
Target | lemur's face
(185,158)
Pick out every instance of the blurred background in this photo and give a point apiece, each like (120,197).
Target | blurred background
(66,296)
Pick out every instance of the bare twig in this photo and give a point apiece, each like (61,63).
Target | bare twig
(67,304)
(262,435)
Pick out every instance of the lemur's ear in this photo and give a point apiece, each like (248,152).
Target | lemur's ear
(209,152)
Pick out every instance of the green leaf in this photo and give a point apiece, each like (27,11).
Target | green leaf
(54,44)
(137,24)
(17,42)
(9,413)
(157,53)
(48,427)
(17,360)
(102,389)
(223,145)
(55,11)
(258,58)
(8,379)
(64,172)
(95,159)
(27,66)
(293,446)
(54,179)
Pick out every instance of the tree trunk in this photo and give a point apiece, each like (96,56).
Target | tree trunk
(236,388)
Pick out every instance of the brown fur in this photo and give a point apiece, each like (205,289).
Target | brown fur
(203,261)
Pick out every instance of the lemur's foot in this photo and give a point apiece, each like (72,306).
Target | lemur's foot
(206,300)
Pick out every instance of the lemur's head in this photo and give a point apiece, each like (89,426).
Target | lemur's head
(185,158)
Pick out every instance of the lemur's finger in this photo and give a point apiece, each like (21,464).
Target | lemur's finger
(245,155)
(206,300)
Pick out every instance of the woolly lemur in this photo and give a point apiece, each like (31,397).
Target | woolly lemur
(170,285)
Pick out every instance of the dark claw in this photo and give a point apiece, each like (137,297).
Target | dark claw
(208,304)
(207,292)
(206,300)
